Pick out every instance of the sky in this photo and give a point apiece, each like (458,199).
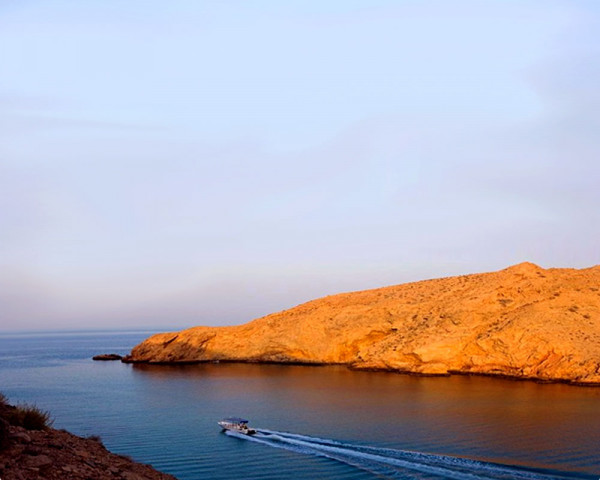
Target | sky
(170,164)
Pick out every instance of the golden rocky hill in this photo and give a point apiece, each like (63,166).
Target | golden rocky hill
(524,322)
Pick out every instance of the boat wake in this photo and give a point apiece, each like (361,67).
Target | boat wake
(400,464)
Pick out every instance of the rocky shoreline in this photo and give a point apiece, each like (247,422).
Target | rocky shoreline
(49,454)
(524,322)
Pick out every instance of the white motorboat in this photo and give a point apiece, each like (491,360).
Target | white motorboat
(236,424)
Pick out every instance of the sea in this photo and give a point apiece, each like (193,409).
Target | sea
(313,422)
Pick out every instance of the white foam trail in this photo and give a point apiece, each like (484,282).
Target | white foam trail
(393,463)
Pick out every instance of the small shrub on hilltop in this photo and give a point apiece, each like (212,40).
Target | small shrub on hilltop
(95,438)
(4,431)
(5,408)
(31,417)
(27,416)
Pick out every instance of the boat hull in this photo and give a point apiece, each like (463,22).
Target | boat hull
(243,429)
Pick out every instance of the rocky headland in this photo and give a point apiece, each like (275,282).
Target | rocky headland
(31,450)
(523,322)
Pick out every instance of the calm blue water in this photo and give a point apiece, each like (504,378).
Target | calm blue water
(314,422)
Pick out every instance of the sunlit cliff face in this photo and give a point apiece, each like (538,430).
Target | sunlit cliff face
(523,321)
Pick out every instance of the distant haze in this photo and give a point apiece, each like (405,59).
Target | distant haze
(169,164)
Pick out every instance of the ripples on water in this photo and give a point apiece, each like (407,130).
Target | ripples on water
(392,463)
(347,425)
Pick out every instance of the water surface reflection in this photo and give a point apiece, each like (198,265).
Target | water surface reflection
(548,426)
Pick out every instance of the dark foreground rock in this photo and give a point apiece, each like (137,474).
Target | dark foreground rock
(51,454)
(107,356)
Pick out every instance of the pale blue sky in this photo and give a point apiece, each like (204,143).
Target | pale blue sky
(168,164)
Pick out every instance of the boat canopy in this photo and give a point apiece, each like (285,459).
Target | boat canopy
(235,420)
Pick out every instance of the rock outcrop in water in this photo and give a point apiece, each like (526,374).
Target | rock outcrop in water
(524,322)
(107,357)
